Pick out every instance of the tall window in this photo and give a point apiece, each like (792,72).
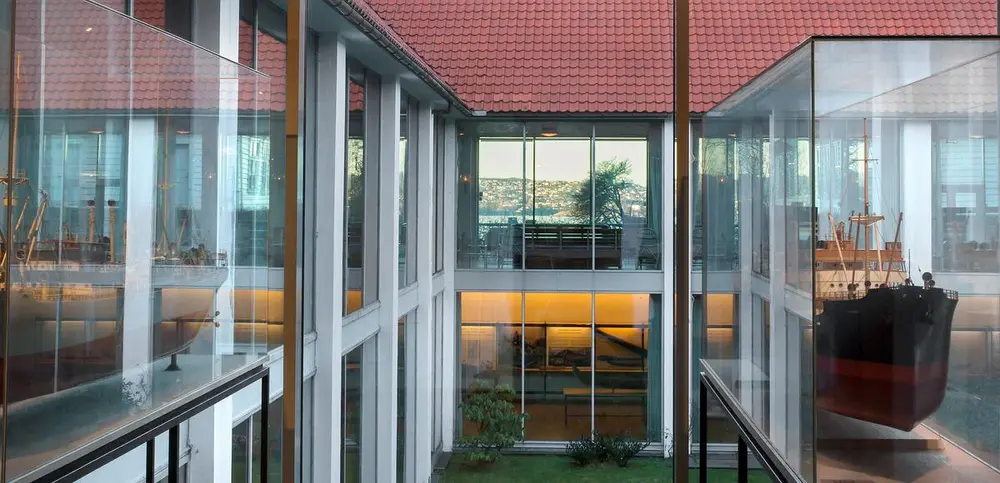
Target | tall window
(570,352)
(361,190)
(559,196)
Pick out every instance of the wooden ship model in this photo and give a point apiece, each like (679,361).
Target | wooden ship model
(882,341)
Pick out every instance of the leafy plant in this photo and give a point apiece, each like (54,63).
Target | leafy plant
(624,447)
(599,448)
(584,451)
(491,407)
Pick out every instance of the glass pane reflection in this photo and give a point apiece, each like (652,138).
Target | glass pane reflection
(121,289)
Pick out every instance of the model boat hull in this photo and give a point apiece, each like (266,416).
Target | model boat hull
(883,357)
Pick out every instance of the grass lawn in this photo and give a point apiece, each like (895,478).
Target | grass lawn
(558,469)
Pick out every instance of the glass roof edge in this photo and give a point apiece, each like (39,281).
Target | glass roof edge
(767,78)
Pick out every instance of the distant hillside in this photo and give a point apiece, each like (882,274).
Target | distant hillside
(502,196)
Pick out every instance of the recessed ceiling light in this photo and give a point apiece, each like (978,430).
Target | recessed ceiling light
(89,29)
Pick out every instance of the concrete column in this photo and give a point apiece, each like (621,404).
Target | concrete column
(917,200)
(668,311)
(388,276)
(450,322)
(140,215)
(423,443)
(328,282)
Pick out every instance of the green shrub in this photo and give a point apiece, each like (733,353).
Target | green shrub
(599,448)
(624,447)
(584,451)
(491,407)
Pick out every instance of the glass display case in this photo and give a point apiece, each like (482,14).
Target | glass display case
(130,159)
(858,179)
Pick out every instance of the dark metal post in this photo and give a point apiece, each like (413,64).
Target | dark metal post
(174,454)
(682,274)
(291,457)
(702,432)
(741,461)
(151,460)
(265,399)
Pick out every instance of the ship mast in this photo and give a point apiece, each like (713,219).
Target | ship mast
(867,213)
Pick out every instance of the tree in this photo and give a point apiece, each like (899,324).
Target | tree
(610,181)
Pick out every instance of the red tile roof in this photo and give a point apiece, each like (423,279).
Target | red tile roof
(732,42)
(554,56)
(87,64)
(598,56)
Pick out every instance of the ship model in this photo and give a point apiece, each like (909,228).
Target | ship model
(882,340)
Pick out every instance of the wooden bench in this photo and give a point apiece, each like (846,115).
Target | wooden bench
(556,246)
(577,392)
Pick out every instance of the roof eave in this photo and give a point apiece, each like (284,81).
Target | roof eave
(378,32)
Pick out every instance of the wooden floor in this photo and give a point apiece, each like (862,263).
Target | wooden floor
(852,451)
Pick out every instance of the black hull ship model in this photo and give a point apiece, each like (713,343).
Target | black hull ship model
(882,341)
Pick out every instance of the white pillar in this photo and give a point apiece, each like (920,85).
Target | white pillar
(779,383)
(216,27)
(423,443)
(746,335)
(328,283)
(917,199)
(450,321)
(140,216)
(388,277)
(667,300)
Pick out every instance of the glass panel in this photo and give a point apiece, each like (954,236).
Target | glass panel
(271,56)
(965,176)
(408,195)
(715,241)
(353,404)
(439,190)
(121,276)
(405,171)
(491,345)
(241,452)
(628,191)
(558,230)
(558,377)
(490,195)
(627,370)
(762,134)
(354,238)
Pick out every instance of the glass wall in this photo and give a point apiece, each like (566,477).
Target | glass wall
(855,348)
(715,239)
(568,353)
(121,214)
(361,192)
(559,195)
(965,177)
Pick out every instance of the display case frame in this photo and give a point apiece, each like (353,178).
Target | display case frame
(859,345)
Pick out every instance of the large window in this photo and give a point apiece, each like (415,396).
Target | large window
(439,190)
(559,195)
(408,195)
(361,191)
(966,225)
(570,352)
